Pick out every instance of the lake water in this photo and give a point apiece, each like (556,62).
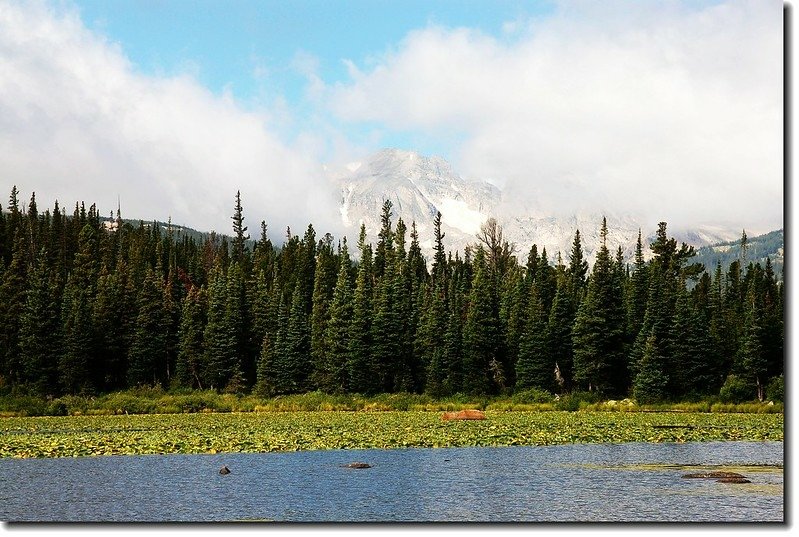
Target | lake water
(599,482)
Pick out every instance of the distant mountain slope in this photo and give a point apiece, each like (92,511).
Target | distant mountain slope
(419,186)
(771,245)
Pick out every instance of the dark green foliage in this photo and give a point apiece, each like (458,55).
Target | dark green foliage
(598,333)
(39,344)
(91,305)
(332,374)
(737,390)
(651,381)
(148,352)
(535,367)
(481,369)
(559,333)
(190,360)
(775,389)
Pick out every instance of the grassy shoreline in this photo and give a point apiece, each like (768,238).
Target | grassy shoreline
(259,432)
(158,401)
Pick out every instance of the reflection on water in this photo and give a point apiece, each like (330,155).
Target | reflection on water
(600,482)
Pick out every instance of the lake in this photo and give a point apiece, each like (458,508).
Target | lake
(577,482)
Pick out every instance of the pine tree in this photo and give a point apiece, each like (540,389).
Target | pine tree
(362,371)
(191,352)
(750,362)
(322,296)
(535,368)
(598,332)
(78,335)
(219,348)
(650,382)
(239,249)
(480,364)
(578,269)
(148,353)
(295,366)
(559,333)
(334,374)
(38,332)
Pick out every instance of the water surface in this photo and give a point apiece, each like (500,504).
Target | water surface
(580,482)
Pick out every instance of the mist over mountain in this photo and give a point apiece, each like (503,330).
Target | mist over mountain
(419,186)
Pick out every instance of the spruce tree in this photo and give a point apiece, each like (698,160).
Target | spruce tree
(148,352)
(650,382)
(598,332)
(559,334)
(191,350)
(481,373)
(535,367)
(333,375)
(362,371)
(38,332)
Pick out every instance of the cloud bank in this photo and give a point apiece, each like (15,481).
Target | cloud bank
(649,108)
(78,122)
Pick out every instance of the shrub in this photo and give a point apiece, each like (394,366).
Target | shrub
(736,390)
(532,395)
(576,400)
(775,390)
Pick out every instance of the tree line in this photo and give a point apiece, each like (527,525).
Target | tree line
(92,305)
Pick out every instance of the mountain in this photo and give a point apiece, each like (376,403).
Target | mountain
(771,245)
(419,186)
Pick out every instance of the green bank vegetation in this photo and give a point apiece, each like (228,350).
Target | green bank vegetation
(157,401)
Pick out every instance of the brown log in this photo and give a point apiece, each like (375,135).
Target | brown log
(464,415)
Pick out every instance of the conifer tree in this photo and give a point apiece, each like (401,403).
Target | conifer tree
(650,382)
(191,352)
(535,367)
(219,348)
(480,363)
(38,332)
(598,331)
(295,365)
(559,334)
(239,238)
(362,371)
(148,353)
(578,269)
(334,377)
(750,361)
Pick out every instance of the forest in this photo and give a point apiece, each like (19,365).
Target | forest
(92,305)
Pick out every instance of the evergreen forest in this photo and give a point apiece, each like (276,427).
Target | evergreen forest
(91,305)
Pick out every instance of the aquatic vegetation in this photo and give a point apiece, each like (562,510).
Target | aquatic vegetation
(252,432)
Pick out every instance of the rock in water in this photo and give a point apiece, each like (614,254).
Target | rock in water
(733,480)
(357,465)
(715,475)
(224,470)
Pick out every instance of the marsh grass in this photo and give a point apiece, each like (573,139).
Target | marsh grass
(155,400)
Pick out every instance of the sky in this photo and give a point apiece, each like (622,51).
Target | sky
(669,110)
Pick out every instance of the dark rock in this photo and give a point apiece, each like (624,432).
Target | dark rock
(357,465)
(224,470)
(733,480)
(715,475)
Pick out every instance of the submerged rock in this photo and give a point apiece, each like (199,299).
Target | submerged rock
(733,480)
(356,465)
(224,470)
(715,475)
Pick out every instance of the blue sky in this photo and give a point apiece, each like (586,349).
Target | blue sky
(251,49)
(635,107)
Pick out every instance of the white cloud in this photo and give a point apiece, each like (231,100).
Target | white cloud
(77,122)
(658,108)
